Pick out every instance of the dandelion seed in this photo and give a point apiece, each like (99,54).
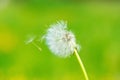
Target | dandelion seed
(63,43)
(30,39)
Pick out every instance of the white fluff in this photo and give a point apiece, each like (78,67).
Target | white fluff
(61,41)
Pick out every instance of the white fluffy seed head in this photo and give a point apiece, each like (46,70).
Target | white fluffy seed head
(61,41)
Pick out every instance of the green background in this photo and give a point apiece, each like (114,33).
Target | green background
(96,26)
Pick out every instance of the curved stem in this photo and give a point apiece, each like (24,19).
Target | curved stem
(81,64)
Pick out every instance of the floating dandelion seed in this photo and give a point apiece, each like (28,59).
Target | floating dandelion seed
(62,42)
(30,39)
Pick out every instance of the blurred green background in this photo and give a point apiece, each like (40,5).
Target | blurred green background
(95,24)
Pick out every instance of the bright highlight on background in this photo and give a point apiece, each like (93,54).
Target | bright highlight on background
(95,25)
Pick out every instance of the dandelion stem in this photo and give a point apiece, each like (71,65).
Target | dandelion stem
(81,64)
(36,46)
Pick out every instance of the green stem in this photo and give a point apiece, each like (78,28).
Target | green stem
(81,64)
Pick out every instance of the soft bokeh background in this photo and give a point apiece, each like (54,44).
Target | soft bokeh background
(95,24)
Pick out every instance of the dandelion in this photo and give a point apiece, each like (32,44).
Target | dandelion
(30,39)
(62,42)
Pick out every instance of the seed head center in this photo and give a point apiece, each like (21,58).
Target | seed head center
(67,37)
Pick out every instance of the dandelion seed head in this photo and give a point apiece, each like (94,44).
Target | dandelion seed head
(61,41)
